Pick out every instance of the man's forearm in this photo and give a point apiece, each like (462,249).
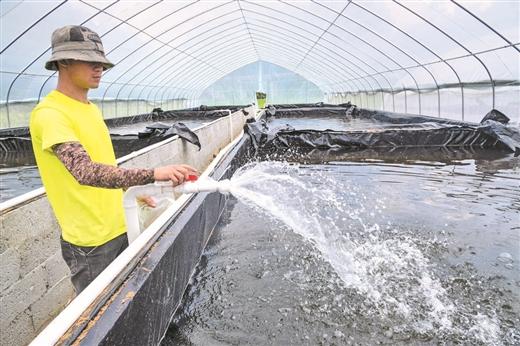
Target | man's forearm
(87,172)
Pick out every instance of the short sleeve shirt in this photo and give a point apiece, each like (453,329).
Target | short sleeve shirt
(88,216)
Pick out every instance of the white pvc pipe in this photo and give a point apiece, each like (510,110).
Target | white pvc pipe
(59,326)
(132,194)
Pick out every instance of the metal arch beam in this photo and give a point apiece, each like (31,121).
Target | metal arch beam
(284,58)
(158,87)
(329,50)
(324,31)
(36,59)
(303,29)
(348,32)
(209,50)
(486,25)
(246,49)
(336,46)
(281,20)
(327,68)
(323,70)
(247,27)
(458,43)
(187,64)
(326,58)
(341,39)
(297,41)
(169,78)
(319,44)
(195,70)
(142,70)
(196,83)
(236,64)
(207,79)
(167,67)
(167,44)
(296,48)
(239,61)
(291,68)
(156,37)
(193,45)
(346,68)
(172,51)
(425,47)
(206,50)
(370,45)
(399,49)
(277,61)
(420,65)
(32,26)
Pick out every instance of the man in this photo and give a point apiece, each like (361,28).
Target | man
(76,159)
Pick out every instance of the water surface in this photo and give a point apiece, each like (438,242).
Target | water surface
(346,252)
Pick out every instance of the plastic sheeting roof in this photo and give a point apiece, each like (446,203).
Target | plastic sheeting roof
(176,49)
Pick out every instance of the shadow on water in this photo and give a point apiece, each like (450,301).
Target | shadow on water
(402,247)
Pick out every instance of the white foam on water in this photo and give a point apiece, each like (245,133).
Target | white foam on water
(486,329)
(391,273)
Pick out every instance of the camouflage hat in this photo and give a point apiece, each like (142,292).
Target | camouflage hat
(76,43)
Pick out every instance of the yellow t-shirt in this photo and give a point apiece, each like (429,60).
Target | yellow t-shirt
(88,216)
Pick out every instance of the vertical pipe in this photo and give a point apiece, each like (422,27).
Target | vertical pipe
(405,101)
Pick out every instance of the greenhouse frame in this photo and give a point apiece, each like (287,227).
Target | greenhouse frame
(356,86)
(451,59)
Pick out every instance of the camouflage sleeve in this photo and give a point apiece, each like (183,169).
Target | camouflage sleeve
(88,172)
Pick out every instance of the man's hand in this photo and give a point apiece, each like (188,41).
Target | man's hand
(176,173)
(148,200)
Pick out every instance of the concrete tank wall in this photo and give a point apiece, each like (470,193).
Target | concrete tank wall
(34,279)
(34,283)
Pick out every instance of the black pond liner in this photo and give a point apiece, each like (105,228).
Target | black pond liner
(401,131)
(16,148)
(139,311)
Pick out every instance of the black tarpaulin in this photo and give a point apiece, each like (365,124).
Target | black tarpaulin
(163,132)
(302,112)
(496,115)
(490,134)
(399,118)
(160,115)
(489,159)
(16,151)
(306,105)
(125,144)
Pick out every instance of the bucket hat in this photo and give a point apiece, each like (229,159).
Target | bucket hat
(77,43)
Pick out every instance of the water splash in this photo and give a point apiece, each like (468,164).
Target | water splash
(385,267)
